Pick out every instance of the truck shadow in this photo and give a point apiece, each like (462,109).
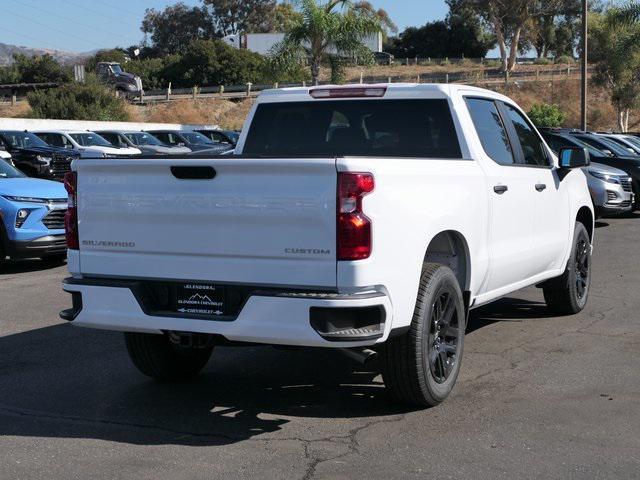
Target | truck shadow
(64,382)
(29,265)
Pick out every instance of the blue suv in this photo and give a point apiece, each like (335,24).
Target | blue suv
(32,216)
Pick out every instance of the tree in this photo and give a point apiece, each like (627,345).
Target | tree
(172,29)
(324,31)
(213,62)
(236,16)
(78,101)
(509,20)
(461,34)
(468,36)
(545,115)
(615,48)
(37,69)
(555,30)
(284,16)
(388,25)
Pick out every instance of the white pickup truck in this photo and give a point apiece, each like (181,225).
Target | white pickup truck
(357,217)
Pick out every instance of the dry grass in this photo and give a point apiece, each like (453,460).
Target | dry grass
(231,115)
(566,94)
(225,113)
(19,110)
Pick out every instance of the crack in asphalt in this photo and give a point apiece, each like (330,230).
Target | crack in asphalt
(353,447)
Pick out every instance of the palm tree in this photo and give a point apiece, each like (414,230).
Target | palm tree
(323,32)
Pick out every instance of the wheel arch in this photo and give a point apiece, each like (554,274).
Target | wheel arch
(585,216)
(450,248)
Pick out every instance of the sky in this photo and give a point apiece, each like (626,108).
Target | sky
(87,25)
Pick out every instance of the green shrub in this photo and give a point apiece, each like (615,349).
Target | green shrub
(543,61)
(35,69)
(565,60)
(492,63)
(546,115)
(153,71)
(212,62)
(78,101)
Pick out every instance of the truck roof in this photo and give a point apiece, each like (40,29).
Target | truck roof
(393,90)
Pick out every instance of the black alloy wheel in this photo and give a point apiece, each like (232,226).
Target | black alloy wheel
(443,335)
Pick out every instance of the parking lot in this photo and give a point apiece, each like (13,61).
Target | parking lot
(538,396)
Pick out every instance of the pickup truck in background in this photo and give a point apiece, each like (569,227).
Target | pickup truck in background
(366,218)
(126,83)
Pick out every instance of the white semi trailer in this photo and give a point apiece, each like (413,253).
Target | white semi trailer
(262,43)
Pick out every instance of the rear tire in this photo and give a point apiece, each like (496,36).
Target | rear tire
(568,294)
(157,357)
(421,366)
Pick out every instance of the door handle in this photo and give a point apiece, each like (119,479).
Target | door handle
(500,189)
(193,172)
(541,187)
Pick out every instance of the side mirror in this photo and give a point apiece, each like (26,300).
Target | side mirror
(573,157)
(180,144)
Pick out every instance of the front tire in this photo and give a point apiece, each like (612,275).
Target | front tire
(421,366)
(157,357)
(568,294)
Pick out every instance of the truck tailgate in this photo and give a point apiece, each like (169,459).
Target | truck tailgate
(258,221)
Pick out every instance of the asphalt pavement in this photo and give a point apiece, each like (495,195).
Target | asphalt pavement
(538,396)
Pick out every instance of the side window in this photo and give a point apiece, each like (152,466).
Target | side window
(556,143)
(491,131)
(162,136)
(111,138)
(532,148)
(217,138)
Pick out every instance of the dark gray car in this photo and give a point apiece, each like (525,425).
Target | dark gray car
(192,140)
(147,143)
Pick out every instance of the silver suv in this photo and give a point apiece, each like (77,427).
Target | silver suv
(610,189)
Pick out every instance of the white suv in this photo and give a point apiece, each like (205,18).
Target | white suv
(87,144)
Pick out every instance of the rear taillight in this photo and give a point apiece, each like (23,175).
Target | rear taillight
(71,217)
(353,226)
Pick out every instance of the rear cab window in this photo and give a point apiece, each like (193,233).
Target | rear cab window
(371,128)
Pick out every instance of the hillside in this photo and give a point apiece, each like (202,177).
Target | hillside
(7,51)
(230,114)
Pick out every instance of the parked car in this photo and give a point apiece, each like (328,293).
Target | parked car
(433,199)
(6,156)
(383,58)
(624,141)
(610,188)
(86,144)
(34,157)
(602,143)
(31,216)
(113,74)
(149,142)
(630,164)
(229,137)
(195,141)
(122,139)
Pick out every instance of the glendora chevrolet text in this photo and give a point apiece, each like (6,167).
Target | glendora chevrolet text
(409,204)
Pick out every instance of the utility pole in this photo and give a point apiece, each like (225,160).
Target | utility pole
(585,63)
